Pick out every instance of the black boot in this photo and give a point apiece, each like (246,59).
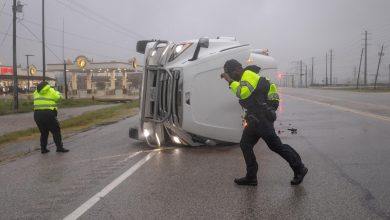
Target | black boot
(62,149)
(246,181)
(298,176)
(44,150)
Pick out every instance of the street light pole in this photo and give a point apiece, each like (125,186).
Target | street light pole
(43,41)
(65,81)
(28,72)
(15,92)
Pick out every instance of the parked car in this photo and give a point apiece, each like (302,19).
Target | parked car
(32,88)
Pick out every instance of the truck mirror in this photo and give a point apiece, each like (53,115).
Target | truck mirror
(203,42)
(141,45)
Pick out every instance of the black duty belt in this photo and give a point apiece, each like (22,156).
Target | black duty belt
(36,110)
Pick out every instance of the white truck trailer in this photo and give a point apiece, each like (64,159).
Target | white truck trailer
(183,98)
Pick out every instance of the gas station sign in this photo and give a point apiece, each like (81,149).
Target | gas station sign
(4,70)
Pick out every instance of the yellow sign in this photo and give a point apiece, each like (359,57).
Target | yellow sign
(81,61)
(32,70)
(134,62)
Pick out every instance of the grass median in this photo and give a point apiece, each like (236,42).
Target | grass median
(79,123)
(26,105)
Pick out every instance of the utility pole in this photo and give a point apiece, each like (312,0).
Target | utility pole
(389,75)
(63,58)
(379,63)
(63,39)
(28,72)
(312,71)
(326,70)
(15,67)
(65,81)
(306,77)
(293,82)
(285,83)
(365,58)
(360,64)
(330,67)
(43,42)
(300,74)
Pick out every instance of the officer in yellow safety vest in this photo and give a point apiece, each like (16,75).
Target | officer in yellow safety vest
(260,100)
(45,116)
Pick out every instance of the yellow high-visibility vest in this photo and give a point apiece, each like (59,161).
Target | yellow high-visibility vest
(47,98)
(248,83)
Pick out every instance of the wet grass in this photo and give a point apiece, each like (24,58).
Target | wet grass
(26,105)
(79,123)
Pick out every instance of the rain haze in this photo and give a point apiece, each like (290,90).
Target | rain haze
(291,30)
(175,137)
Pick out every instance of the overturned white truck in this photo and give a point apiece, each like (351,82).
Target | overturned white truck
(183,98)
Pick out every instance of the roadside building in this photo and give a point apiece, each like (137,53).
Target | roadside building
(85,77)
(27,80)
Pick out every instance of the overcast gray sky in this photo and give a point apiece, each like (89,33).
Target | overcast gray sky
(291,29)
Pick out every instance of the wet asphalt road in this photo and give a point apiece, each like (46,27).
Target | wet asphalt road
(343,138)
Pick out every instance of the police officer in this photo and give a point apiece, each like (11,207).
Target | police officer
(260,100)
(45,116)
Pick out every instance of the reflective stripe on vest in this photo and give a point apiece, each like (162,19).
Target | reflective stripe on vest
(273,96)
(44,106)
(247,84)
(238,93)
(46,99)
(41,103)
(244,83)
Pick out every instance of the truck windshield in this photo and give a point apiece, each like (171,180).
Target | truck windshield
(178,49)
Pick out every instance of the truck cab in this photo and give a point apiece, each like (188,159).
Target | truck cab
(183,98)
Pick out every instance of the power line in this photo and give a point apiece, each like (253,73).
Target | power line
(72,34)
(76,35)
(381,27)
(347,48)
(106,19)
(379,33)
(118,30)
(351,45)
(382,38)
(5,36)
(365,58)
(68,48)
(39,40)
(2,8)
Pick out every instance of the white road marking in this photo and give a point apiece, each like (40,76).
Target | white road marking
(110,157)
(122,155)
(94,199)
(351,101)
(367,114)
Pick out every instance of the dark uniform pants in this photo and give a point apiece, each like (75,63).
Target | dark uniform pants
(47,121)
(259,127)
